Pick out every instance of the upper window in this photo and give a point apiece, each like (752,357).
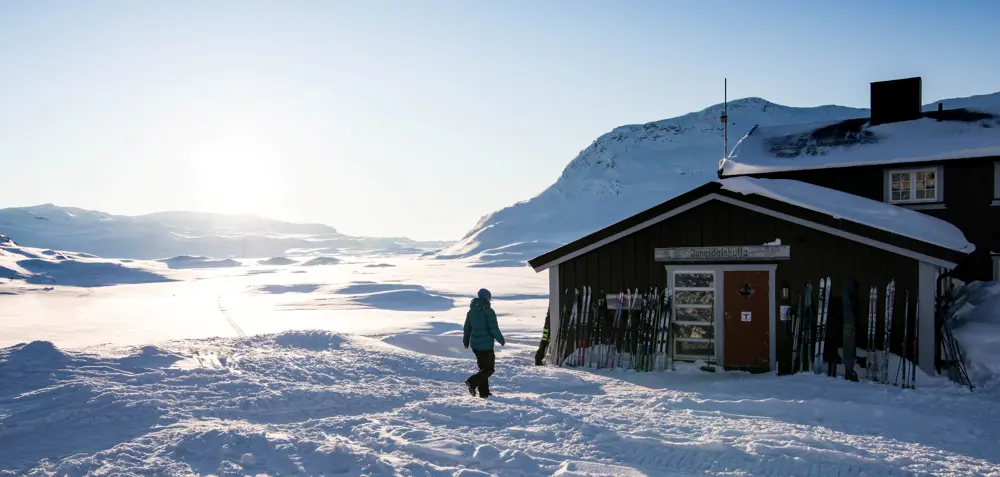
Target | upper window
(914,185)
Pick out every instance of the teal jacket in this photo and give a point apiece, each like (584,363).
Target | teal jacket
(481,326)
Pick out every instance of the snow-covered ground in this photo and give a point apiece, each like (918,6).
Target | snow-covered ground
(976,325)
(75,300)
(356,368)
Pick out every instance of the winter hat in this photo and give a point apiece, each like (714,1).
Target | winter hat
(484,294)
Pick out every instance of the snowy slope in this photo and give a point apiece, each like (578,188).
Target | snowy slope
(169,234)
(633,168)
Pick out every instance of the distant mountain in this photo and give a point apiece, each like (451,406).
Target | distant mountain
(169,234)
(237,223)
(630,169)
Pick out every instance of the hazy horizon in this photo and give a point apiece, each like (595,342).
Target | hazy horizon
(392,119)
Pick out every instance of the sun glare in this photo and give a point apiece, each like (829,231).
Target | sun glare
(235,174)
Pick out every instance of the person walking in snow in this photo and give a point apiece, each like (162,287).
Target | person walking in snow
(481,330)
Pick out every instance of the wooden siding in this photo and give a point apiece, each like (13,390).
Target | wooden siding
(628,262)
(968,193)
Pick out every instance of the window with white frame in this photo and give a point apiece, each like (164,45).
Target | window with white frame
(914,185)
(694,314)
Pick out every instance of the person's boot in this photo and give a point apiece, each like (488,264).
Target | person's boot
(471,386)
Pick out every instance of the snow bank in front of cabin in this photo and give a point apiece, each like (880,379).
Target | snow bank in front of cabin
(976,325)
(322,403)
(858,209)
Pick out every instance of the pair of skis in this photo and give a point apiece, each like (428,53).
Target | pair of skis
(586,327)
(872,360)
(611,350)
(809,328)
(907,367)
(821,332)
(878,362)
(568,341)
(654,331)
(890,306)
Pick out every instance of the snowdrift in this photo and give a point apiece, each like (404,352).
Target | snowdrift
(49,267)
(976,326)
(187,261)
(320,261)
(278,261)
(395,297)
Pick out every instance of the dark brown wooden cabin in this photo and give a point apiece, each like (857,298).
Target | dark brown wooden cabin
(962,188)
(729,231)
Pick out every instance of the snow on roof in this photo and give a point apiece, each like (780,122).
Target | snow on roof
(872,213)
(949,134)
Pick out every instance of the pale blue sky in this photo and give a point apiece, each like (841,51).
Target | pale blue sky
(415,118)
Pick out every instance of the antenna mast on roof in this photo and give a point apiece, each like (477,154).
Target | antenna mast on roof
(725,117)
(725,123)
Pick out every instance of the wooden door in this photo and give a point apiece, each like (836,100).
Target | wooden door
(747,320)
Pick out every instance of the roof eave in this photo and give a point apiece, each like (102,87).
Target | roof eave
(547,259)
(941,255)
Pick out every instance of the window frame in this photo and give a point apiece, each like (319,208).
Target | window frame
(912,172)
(713,289)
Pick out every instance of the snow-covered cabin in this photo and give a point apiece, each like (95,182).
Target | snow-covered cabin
(861,202)
(943,161)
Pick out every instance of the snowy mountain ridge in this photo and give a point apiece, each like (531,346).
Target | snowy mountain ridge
(634,167)
(168,234)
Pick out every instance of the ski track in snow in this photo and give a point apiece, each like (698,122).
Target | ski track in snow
(229,319)
(320,403)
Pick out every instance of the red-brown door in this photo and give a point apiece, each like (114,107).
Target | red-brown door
(747,320)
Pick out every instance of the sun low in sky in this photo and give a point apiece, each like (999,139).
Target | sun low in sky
(413,118)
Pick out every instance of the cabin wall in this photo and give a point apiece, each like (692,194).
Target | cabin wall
(968,187)
(628,262)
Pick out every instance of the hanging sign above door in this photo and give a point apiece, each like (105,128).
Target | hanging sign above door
(736,253)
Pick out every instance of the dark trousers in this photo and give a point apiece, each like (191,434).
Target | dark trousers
(481,380)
